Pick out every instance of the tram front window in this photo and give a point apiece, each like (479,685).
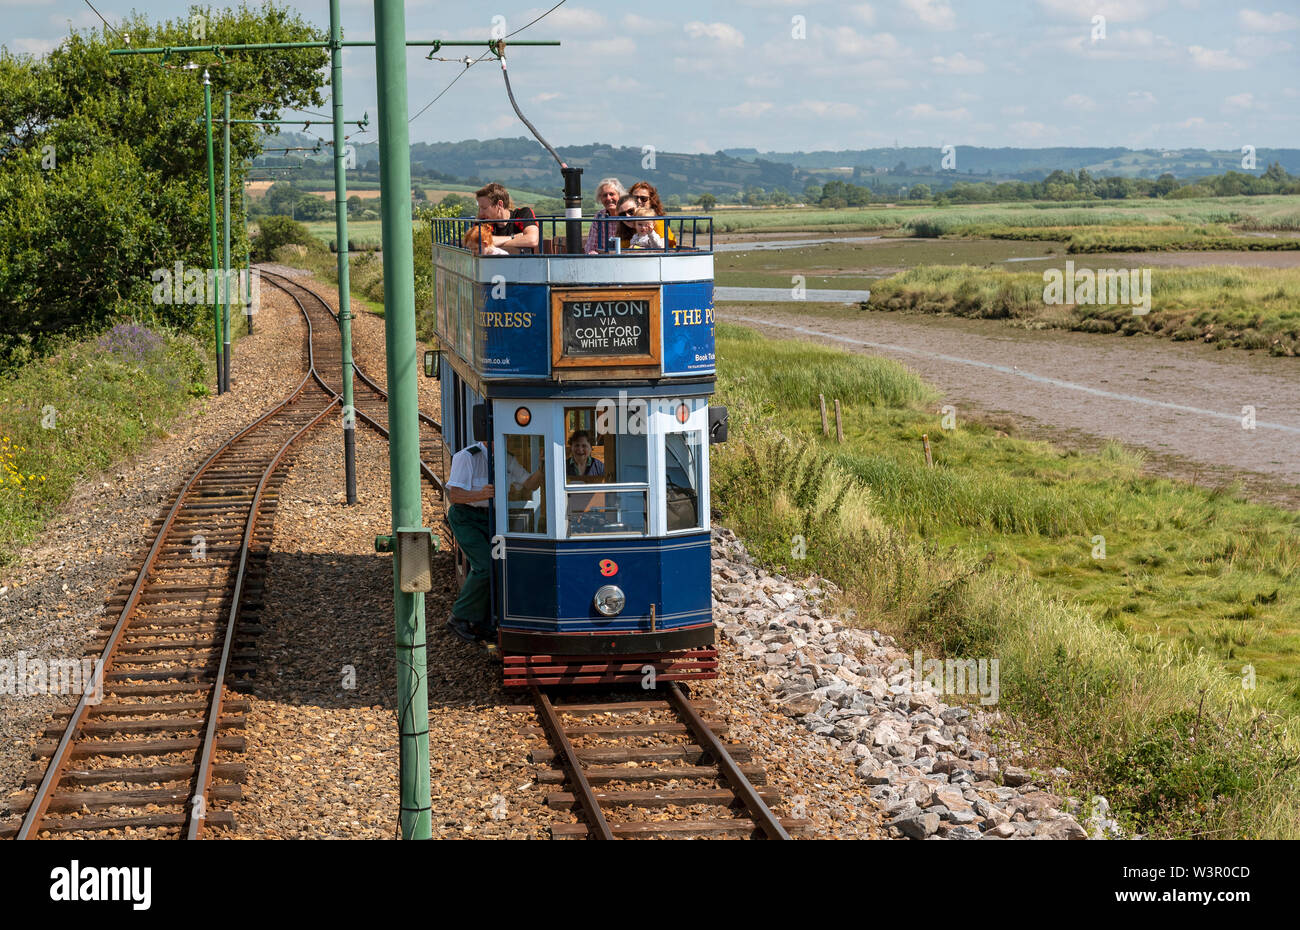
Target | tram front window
(605,447)
(683,475)
(526,480)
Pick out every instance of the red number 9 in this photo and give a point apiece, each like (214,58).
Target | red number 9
(608,567)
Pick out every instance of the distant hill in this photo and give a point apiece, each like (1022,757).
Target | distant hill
(520,162)
(1017,164)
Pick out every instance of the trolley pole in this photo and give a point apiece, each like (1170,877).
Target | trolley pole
(212,223)
(403,421)
(225,265)
(341,237)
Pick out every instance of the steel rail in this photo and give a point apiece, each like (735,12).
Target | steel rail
(428,472)
(758,809)
(555,729)
(198,800)
(58,761)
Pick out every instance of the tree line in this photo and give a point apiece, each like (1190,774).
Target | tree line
(103,166)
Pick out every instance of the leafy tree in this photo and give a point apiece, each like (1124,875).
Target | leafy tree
(707,202)
(1166,184)
(919,192)
(103,165)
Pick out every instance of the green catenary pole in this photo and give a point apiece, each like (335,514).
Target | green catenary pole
(341,237)
(212,223)
(403,422)
(225,252)
(248,257)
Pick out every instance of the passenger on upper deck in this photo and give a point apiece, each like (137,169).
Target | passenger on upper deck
(626,229)
(608,192)
(512,230)
(647,196)
(645,236)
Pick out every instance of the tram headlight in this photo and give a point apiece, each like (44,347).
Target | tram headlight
(610,600)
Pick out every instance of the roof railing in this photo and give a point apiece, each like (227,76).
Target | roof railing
(690,234)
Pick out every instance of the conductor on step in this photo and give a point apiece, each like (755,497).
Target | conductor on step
(469,489)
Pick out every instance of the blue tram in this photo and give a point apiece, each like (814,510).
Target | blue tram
(592,372)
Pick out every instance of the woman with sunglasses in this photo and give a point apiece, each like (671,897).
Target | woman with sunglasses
(626,228)
(647,196)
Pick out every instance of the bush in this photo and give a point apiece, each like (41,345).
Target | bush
(275,231)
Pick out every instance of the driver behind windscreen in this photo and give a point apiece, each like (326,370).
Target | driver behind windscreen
(586,511)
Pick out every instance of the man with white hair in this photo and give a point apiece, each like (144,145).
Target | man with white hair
(608,192)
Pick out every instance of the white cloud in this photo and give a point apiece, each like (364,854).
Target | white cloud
(849,43)
(1117,11)
(1029,130)
(567,19)
(1243,101)
(724,34)
(957,64)
(32,46)
(1141,99)
(748,110)
(1013,111)
(863,13)
(1079,102)
(83,19)
(634,23)
(544,97)
(1260,46)
(929,111)
(1209,59)
(619,45)
(824,108)
(935,14)
(1267,22)
(1194,122)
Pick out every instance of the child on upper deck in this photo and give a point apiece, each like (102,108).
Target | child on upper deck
(645,236)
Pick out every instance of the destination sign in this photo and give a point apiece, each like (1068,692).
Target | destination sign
(606,327)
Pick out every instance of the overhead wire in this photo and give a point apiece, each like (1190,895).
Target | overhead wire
(469,64)
(104,21)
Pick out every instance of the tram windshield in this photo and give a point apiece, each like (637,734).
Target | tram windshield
(605,446)
(683,475)
(526,477)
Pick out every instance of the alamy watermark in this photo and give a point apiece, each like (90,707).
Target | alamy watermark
(182,285)
(955,677)
(24,676)
(1118,286)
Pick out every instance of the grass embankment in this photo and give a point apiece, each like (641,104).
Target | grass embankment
(1125,669)
(81,408)
(1254,308)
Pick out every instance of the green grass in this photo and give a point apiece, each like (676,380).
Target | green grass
(1271,212)
(82,408)
(1256,308)
(1126,669)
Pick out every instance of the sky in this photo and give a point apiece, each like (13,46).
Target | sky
(784,75)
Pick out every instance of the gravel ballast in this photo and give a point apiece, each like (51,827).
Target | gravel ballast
(53,596)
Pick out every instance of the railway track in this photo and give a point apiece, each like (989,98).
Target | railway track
(369,399)
(653,767)
(146,751)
